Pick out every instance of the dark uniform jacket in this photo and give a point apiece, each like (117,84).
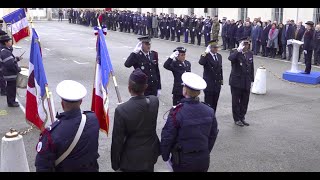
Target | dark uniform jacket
(135,144)
(149,67)
(56,139)
(308,40)
(242,72)
(287,33)
(192,128)
(212,72)
(8,64)
(178,68)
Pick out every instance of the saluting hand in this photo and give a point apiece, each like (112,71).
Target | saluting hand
(208,49)
(174,55)
(137,48)
(241,46)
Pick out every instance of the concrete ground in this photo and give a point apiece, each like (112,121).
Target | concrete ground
(284,124)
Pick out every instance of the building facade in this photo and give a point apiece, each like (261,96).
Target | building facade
(273,14)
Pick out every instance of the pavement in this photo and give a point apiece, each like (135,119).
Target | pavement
(284,123)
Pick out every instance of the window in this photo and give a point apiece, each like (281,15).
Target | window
(316,15)
(278,15)
(40,8)
(243,13)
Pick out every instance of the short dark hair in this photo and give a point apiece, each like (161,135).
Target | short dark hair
(136,88)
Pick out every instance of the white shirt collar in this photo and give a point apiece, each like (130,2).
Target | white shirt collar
(148,53)
(212,54)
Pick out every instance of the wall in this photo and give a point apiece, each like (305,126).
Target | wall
(230,13)
(179,11)
(199,12)
(264,13)
(145,10)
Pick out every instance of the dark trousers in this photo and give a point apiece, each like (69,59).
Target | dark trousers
(176,98)
(150,32)
(178,35)
(284,53)
(257,48)
(300,52)
(263,50)
(212,99)
(280,49)
(206,38)
(172,34)
(121,26)
(11,91)
(186,36)
(273,52)
(167,33)
(199,38)
(224,42)
(231,43)
(60,17)
(307,58)
(3,85)
(192,35)
(162,32)
(240,100)
(155,32)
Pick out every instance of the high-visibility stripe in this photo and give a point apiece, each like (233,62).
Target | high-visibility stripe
(7,59)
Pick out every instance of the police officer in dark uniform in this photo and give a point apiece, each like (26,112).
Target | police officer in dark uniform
(3,84)
(190,131)
(178,64)
(212,74)
(70,144)
(167,29)
(173,25)
(162,26)
(178,29)
(308,46)
(147,61)
(186,20)
(199,26)
(144,24)
(241,78)
(316,40)
(207,30)
(139,21)
(135,144)
(192,28)
(10,68)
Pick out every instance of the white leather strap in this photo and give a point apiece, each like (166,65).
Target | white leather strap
(74,142)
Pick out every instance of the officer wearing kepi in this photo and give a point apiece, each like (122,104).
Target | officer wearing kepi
(190,131)
(10,68)
(70,144)
(211,61)
(178,64)
(147,60)
(308,46)
(240,81)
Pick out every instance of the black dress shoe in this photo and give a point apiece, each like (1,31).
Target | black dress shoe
(15,104)
(239,123)
(245,123)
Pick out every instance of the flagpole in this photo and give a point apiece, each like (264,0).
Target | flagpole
(113,77)
(49,104)
(116,86)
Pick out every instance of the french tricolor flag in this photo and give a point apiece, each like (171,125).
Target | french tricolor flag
(100,97)
(18,24)
(96,30)
(37,110)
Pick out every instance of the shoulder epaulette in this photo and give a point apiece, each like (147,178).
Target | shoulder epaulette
(53,125)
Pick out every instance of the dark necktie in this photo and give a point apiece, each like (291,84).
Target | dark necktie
(215,57)
(148,57)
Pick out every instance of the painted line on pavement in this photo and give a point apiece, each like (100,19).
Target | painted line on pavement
(21,106)
(80,62)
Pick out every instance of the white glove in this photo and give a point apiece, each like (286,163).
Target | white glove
(159,92)
(137,48)
(240,48)
(305,51)
(187,30)
(174,55)
(178,30)
(167,27)
(208,49)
